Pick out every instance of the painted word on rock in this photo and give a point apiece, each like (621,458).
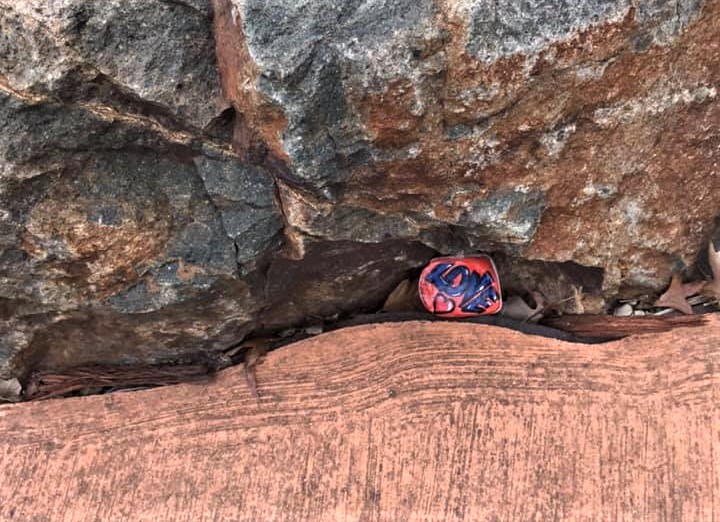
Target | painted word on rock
(461,286)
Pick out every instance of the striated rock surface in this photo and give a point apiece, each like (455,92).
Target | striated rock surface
(130,229)
(112,246)
(583,131)
(177,174)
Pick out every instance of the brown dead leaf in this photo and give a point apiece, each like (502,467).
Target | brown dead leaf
(405,298)
(256,350)
(674,296)
(712,288)
(714,259)
(693,288)
(10,390)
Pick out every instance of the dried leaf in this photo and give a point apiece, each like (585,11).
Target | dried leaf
(714,259)
(404,298)
(674,297)
(577,300)
(257,348)
(693,288)
(10,390)
(712,288)
(516,307)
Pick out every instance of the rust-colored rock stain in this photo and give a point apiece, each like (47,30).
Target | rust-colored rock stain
(405,421)
(98,258)
(610,136)
(258,125)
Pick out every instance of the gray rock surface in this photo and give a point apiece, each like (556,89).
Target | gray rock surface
(157,54)
(111,238)
(130,230)
(176,174)
(556,131)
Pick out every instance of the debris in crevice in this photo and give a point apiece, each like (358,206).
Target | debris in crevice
(518,308)
(689,296)
(676,295)
(10,390)
(608,327)
(95,379)
(404,298)
(527,311)
(577,288)
(712,288)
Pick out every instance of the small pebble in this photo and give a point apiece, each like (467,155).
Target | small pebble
(639,312)
(314,330)
(624,310)
(289,332)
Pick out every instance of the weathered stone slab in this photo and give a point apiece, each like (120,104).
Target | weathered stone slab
(405,421)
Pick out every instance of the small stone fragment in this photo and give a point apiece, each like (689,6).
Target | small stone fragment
(624,310)
(314,330)
(10,390)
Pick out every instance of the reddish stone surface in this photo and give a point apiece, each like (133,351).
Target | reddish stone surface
(406,421)
(594,143)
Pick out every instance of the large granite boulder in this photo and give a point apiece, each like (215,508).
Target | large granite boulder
(130,229)
(175,175)
(583,131)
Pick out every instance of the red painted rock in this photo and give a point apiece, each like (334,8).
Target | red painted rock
(461,286)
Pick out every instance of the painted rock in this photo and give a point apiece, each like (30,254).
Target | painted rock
(461,286)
